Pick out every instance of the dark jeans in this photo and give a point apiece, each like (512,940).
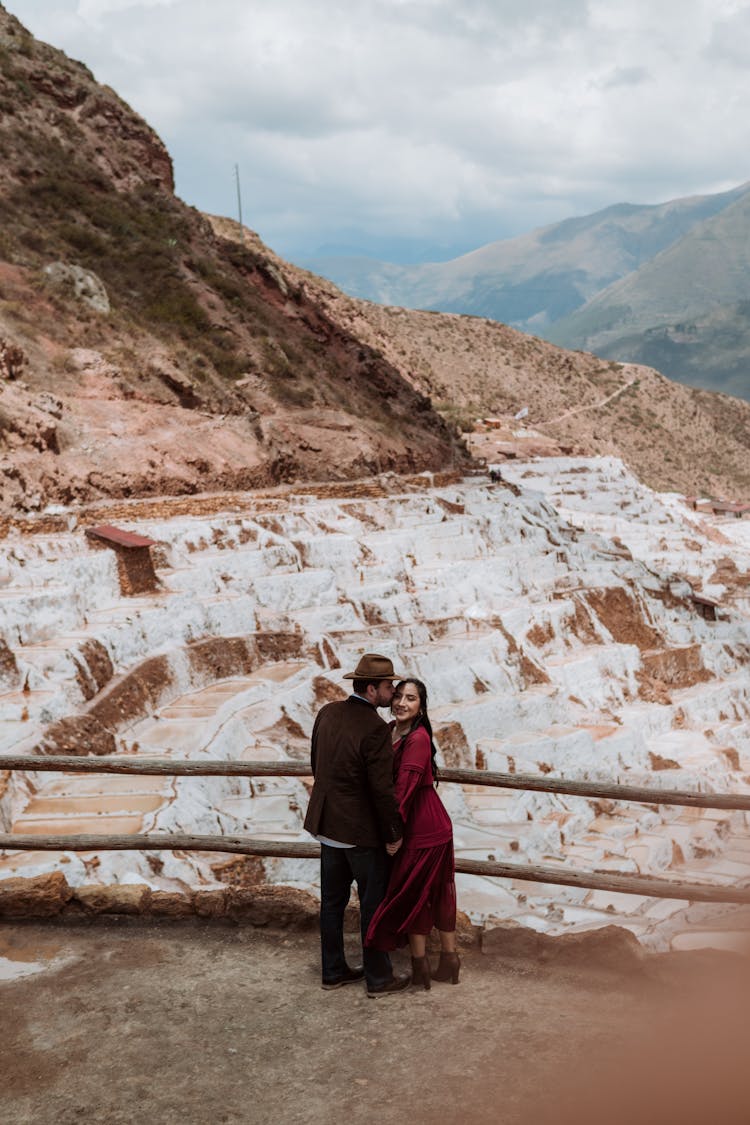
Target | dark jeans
(339,867)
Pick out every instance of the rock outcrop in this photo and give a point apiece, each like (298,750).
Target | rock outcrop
(83,284)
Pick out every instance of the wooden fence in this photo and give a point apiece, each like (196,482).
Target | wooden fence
(244,845)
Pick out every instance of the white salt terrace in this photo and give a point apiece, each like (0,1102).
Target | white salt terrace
(545,647)
(599,495)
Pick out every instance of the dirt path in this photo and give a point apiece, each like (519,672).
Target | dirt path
(591,406)
(198,1024)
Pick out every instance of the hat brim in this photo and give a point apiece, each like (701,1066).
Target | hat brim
(371,679)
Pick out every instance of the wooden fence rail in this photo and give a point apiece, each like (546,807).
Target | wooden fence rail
(181,767)
(242,845)
(286,849)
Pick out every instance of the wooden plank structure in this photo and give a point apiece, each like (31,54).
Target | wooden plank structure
(243,845)
(135,567)
(729,508)
(109,534)
(706,607)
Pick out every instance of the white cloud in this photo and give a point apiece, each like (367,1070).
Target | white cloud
(431,119)
(96,11)
(730,39)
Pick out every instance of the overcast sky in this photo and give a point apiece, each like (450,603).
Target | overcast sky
(416,129)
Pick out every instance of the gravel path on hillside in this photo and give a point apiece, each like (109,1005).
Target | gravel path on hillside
(197,1023)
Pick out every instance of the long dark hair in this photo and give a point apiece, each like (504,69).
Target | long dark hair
(422,720)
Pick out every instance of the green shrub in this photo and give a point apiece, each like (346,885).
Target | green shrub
(290,391)
(136,243)
(176,306)
(82,238)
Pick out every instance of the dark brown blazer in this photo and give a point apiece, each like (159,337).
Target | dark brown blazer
(352,799)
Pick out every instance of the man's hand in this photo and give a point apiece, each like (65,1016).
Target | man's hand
(393,848)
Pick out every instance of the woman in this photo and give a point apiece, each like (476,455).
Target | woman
(421,890)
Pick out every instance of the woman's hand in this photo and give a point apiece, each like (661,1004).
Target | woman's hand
(393,848)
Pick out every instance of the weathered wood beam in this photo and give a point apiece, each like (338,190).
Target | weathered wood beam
(165,767)
(181,767)
(242,845)
(644,795)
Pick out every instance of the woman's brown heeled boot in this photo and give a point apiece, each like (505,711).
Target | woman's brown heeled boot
(420,972)
(448,968)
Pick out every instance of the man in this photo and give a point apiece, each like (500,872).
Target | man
(353,813)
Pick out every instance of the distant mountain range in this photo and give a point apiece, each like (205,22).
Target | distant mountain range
(665,285)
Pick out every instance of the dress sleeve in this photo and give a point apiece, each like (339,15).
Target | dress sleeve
(414,764)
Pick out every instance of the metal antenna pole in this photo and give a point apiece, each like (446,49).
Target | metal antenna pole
(239,201)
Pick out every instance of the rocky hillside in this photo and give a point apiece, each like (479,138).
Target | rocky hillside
(148,350)
(139,352)
(672,436)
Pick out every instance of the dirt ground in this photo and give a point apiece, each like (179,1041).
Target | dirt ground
(201,1023)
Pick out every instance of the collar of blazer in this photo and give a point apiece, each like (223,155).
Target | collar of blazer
(361,699)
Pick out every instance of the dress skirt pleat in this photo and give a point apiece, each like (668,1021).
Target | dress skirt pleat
(421,895)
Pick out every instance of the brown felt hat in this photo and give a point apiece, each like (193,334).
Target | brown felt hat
(372,666)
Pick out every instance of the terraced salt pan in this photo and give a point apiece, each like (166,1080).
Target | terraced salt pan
(529,626)
(599,495)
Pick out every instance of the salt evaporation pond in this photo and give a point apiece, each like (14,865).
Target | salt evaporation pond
(550,616)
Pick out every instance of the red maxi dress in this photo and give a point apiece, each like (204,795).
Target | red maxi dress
(422,888)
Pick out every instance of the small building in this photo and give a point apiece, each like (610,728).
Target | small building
(135,567)
(706,607)
(726,508)
(717,507)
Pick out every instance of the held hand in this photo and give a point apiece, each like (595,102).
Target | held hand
(393,848)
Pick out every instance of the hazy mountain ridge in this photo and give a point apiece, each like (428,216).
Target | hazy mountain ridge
(604,282)
(686,309)
(672,436)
